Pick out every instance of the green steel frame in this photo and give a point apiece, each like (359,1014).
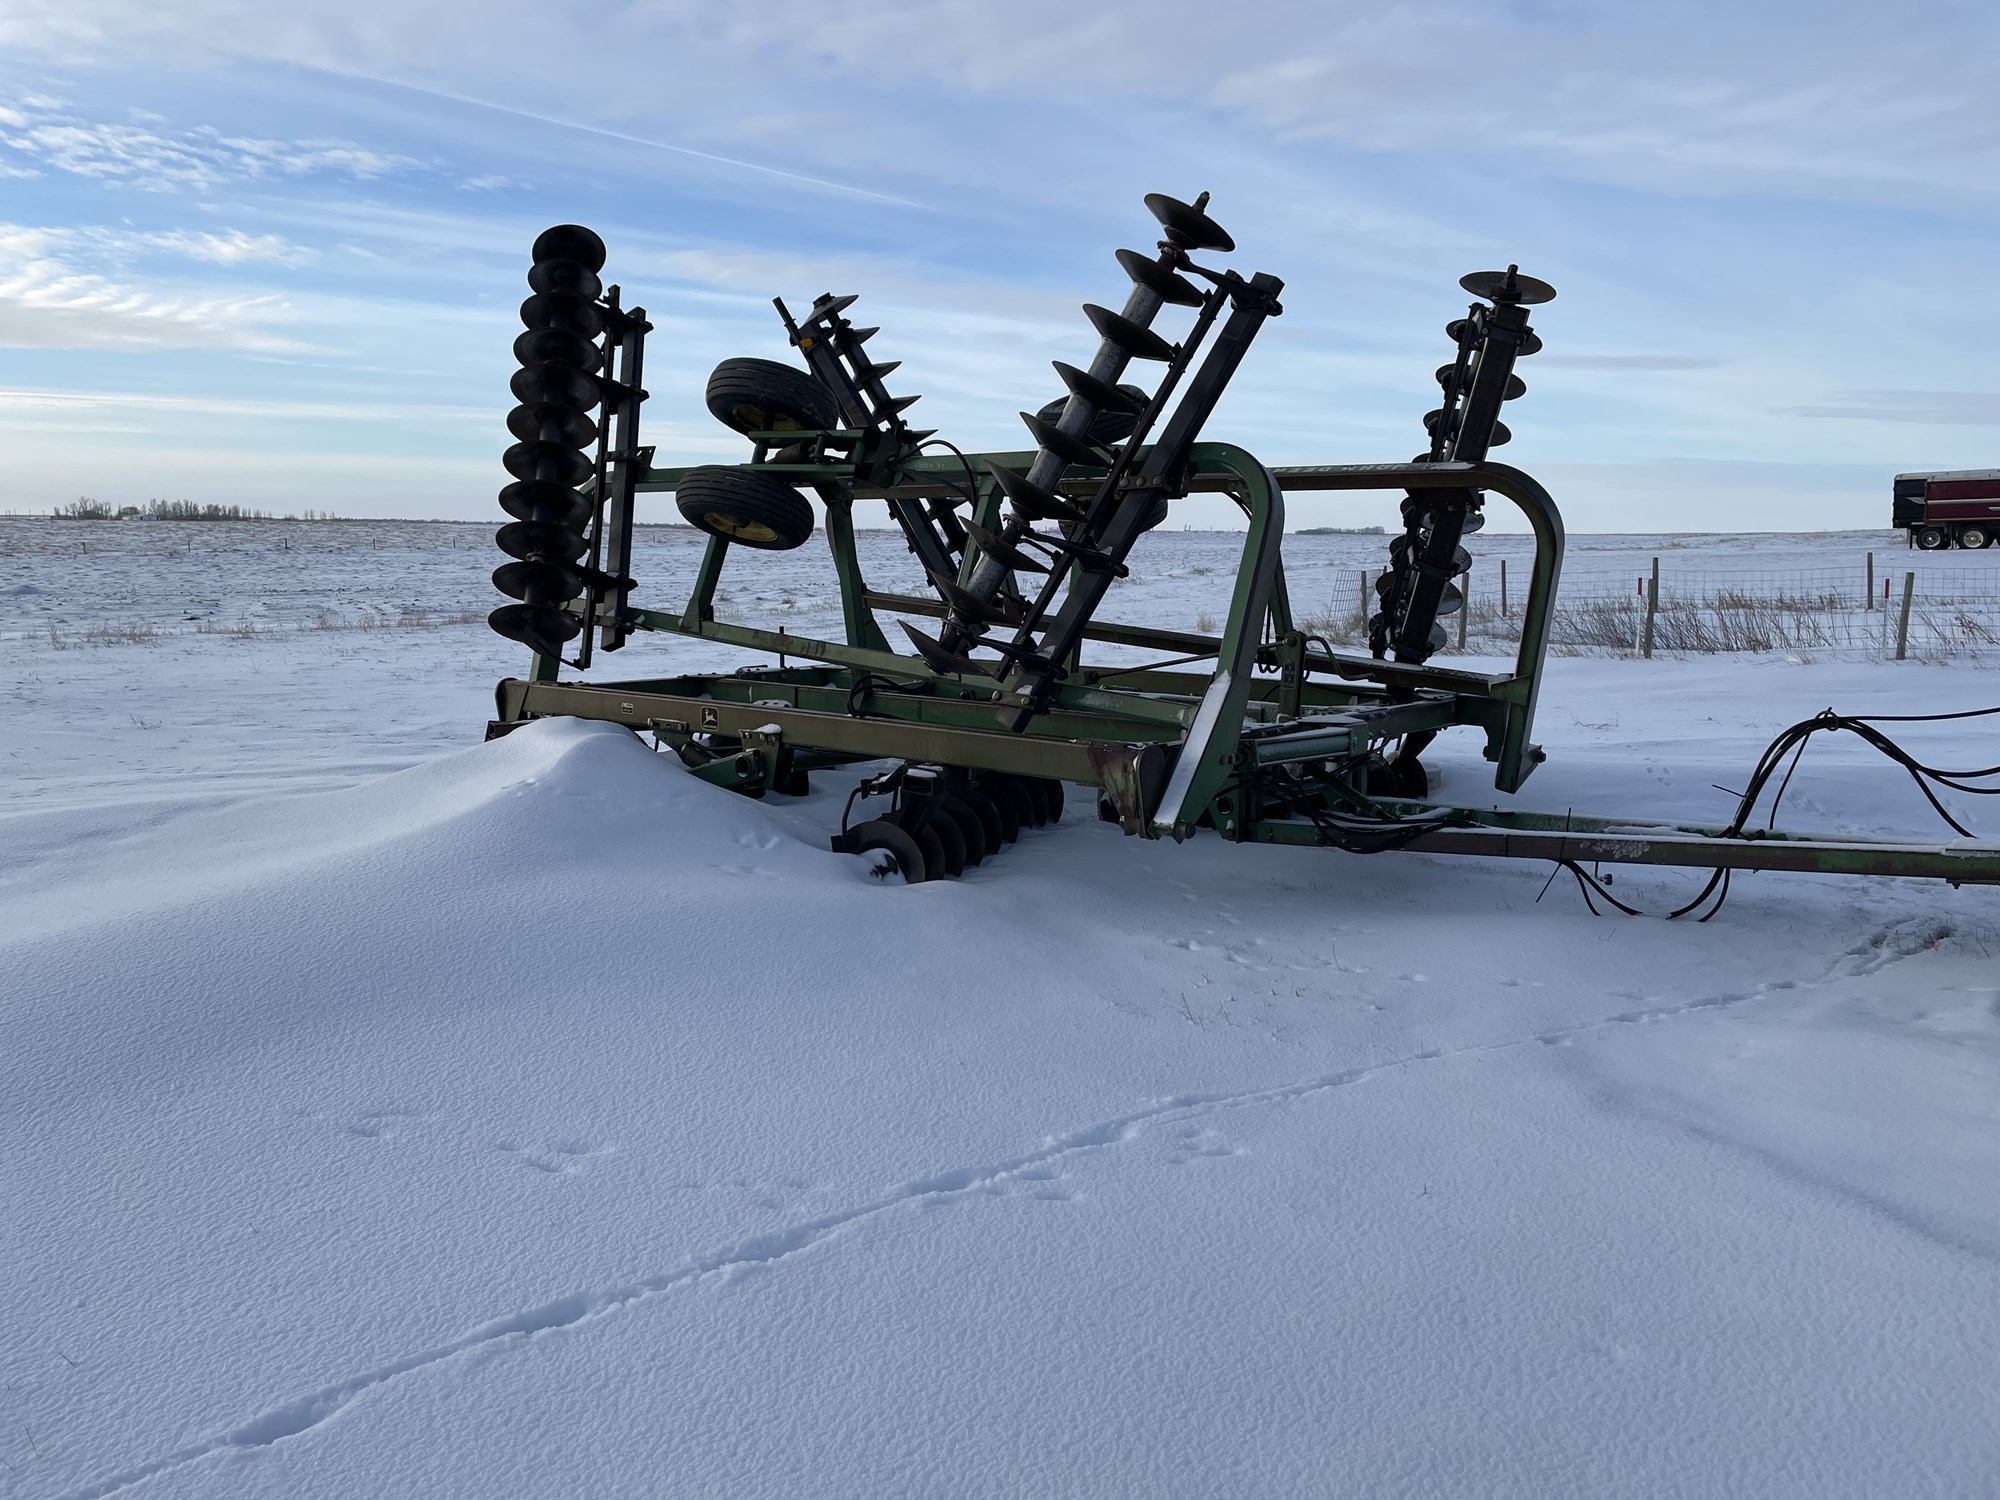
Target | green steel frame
(1170,748)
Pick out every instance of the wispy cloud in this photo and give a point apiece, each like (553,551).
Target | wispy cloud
(1843,100)
(106,246)
(48,303)
(1940,408)
(1554,361)
(584,127)
(232,247)
(39,136)
(18,399)
(382,169)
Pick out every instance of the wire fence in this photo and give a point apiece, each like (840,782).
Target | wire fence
(1830,588)
(1873,608)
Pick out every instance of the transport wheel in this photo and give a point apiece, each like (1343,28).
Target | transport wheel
(982,808)
(931,825)
(749,509)
(970,828)
(895,853)
(761,395)
(1932,538)
(1974,536)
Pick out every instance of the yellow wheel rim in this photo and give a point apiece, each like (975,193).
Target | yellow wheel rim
(737,527)
(756,419)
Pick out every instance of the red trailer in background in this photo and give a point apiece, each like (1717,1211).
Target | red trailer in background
(1958,508)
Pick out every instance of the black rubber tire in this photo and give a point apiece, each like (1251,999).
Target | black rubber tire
(970,828)
(1008,801)
(989,817)
(905,855)
(761,395)
(1974,537)
(924,820)
(751,510)
(1932,538)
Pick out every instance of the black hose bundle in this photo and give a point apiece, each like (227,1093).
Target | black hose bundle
(1373,830)
(1793,742)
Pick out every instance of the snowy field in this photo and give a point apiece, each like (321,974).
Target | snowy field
(388,1113)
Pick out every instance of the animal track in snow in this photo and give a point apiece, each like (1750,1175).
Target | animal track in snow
(1035,1173)
(1195,1142)
(384,1124)
(1893,942)
(561,1159)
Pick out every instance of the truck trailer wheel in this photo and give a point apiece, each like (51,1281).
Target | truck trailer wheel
(1932,538)
(1974,535)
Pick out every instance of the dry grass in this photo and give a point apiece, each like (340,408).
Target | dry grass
(1717,623)
(1338,625)
(102,633)
(139,633)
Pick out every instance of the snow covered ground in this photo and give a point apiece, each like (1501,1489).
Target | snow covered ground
(388,1113)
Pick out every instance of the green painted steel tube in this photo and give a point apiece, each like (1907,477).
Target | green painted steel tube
(1223,467)
(1964,864)
(1517,757)
(1341,737)
(889,739)
(1207,760)
(701,599)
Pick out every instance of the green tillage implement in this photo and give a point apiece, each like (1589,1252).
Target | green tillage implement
(1259,734)
(866,703)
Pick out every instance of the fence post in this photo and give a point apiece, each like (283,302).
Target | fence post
(1638,615)
(1652,608)
(1868,600)
(1464,605)
(1903,623)
(1364,601)
(1503,588)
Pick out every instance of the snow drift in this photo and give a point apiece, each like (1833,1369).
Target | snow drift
(540,1120)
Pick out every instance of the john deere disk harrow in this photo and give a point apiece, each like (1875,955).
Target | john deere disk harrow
(1262,734)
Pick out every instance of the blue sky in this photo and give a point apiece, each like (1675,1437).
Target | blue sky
(269,255)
